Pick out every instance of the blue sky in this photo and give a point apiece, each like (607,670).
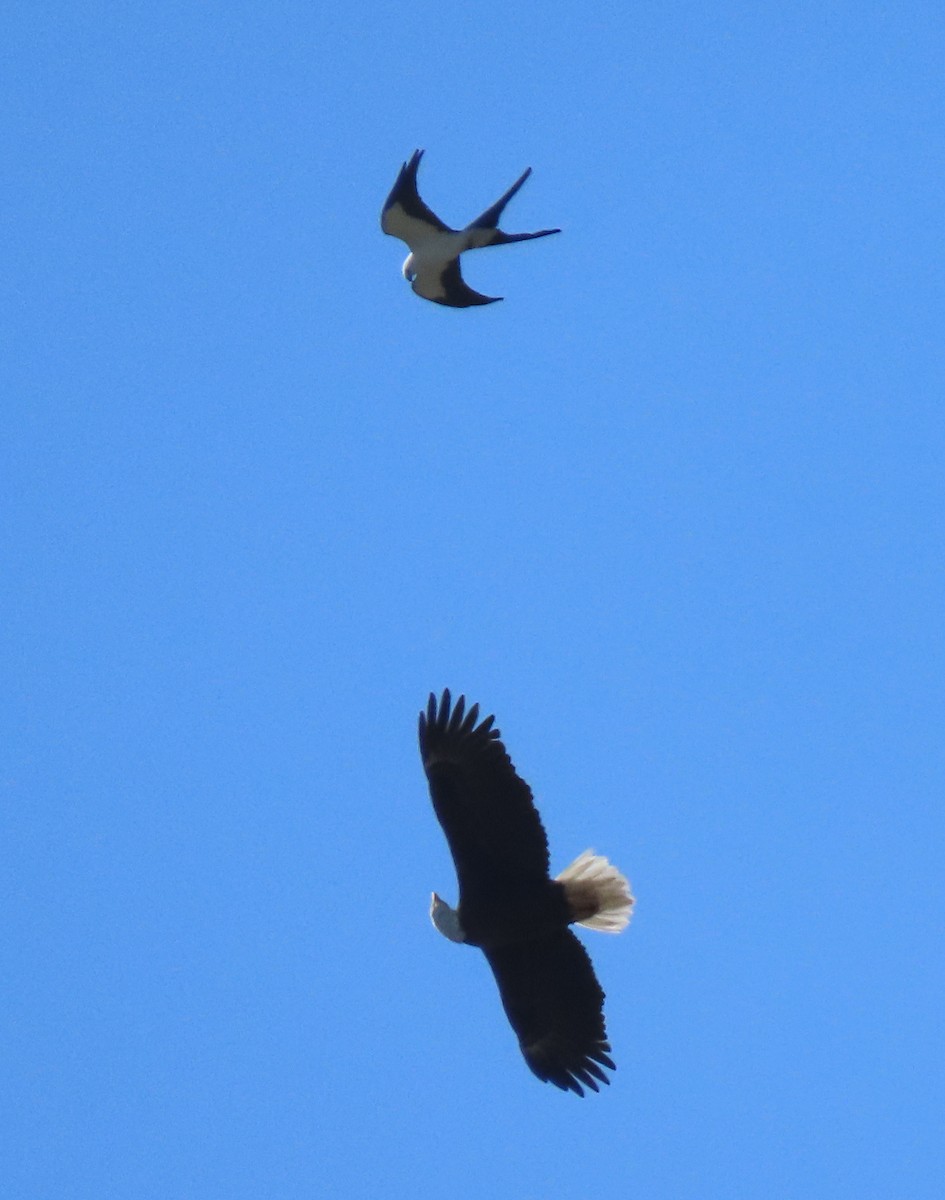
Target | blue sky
(673,511)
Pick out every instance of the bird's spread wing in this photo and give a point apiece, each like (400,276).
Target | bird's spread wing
(484,230)
(490,218)
(404,214)
(555,1005)
(445,285)
(486,810)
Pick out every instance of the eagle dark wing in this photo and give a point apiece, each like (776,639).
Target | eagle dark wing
(555,1005)
(485,809)
(404,214)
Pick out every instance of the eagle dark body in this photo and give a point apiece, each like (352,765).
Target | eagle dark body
(508,904)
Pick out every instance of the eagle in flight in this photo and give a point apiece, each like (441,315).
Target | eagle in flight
(432,266)
(511,908)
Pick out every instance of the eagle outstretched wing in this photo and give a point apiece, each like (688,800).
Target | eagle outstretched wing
(484,806)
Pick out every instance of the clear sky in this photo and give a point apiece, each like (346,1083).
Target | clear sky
(673,511)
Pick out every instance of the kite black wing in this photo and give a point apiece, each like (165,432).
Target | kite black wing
(404,214)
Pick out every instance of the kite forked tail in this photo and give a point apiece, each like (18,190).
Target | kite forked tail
(598,895)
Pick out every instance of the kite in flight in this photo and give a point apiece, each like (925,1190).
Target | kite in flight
(510,907)
(432,266)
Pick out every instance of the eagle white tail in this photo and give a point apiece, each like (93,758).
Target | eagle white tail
(599,896)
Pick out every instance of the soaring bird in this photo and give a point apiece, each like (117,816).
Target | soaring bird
(510,907)
(432,266)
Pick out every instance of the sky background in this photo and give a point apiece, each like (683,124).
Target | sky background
(673,511)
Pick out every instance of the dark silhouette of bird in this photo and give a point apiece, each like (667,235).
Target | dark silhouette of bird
(510,907)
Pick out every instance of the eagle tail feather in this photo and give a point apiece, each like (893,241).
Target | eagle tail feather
(598,895)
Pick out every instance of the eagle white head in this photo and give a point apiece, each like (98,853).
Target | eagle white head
(446,919)
(409,269)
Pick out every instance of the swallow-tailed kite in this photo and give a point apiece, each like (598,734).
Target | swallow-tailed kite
(432,266)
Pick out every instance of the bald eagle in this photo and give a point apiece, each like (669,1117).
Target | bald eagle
(510,907)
